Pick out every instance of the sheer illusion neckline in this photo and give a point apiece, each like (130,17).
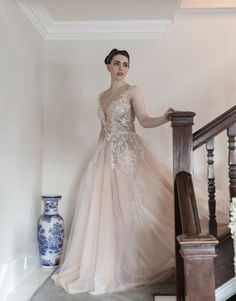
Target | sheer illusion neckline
(116,98)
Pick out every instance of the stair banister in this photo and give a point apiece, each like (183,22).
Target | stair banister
(192,249)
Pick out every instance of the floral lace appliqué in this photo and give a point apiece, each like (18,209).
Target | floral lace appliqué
(119,130)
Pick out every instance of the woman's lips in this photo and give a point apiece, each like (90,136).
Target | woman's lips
(120,73)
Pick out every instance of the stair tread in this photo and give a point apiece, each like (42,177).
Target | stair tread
(222,229)
(167,288)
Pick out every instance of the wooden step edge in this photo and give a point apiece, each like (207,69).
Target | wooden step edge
(224,236)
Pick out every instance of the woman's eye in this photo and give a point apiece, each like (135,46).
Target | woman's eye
(125,65)
(116,64)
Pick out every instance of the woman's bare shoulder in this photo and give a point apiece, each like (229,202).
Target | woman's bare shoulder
(135,90)
(102,94)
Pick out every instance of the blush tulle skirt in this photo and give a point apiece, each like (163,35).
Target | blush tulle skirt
(122,234)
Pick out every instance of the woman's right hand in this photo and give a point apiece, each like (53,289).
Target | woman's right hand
(166,115)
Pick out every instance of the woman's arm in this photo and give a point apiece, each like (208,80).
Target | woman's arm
(141,112)
(101,133)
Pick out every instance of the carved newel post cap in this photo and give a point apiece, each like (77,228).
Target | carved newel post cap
(198,245)
(180,118)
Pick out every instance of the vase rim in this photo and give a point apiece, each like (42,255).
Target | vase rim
(51,196)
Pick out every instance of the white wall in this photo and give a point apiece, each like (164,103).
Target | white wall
(21,95)
(192,68)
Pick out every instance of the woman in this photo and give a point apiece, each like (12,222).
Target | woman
(122,232)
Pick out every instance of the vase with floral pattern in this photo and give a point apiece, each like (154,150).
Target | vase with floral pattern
(50,232)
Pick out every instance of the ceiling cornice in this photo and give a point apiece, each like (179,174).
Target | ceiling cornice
(106,30)
(90,30)
(38,15)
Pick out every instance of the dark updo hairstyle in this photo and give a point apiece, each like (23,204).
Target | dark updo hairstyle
(114,52)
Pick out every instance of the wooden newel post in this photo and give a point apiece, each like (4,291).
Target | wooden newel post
(198,252)
(182,123)
(182,141)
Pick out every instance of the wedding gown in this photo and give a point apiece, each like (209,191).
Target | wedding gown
(122,234)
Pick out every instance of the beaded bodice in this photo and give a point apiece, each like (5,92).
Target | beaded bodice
(119,129)
(119,116)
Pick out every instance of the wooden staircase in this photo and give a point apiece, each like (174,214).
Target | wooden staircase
(224,269)
(203,261)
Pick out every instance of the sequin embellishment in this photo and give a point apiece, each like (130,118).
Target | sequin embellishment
(119,130)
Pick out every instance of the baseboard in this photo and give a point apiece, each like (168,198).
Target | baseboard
(226,290)
(17,269)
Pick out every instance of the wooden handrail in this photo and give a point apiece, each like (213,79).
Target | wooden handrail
(214,127)
(185,197)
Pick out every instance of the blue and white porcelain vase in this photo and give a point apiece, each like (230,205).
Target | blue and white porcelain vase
(50,232)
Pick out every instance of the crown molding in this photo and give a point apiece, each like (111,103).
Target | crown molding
(90,30)
(108,30)
(37,14)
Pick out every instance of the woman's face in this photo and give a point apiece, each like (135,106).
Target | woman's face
(118,67)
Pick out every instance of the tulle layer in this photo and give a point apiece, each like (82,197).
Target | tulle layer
(122,234)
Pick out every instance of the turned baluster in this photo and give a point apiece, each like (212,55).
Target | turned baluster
(231,132)
(211,187)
